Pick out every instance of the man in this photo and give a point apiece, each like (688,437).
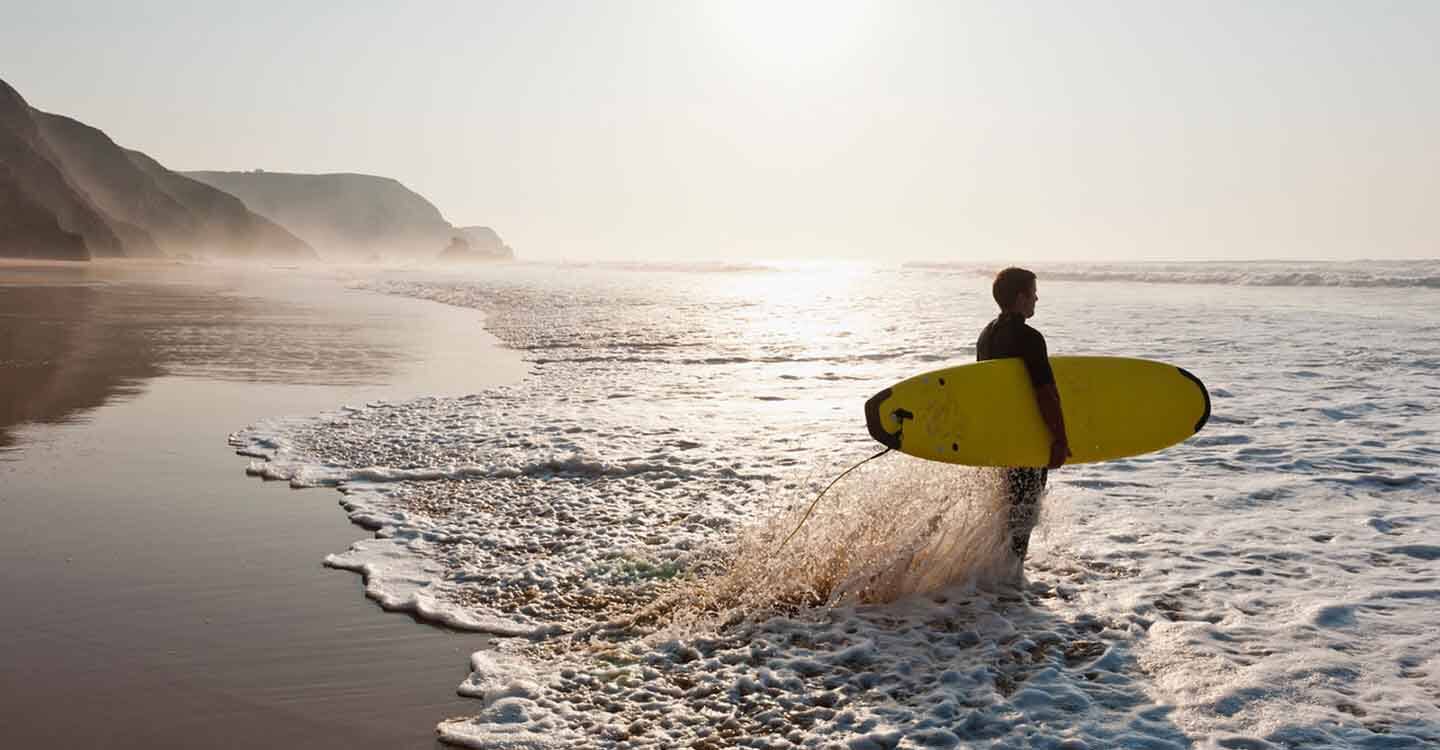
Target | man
(1009,336)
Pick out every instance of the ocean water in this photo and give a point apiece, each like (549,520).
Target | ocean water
(619,514)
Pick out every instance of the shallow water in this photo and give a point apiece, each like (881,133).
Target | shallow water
(1268,583)
(154,596)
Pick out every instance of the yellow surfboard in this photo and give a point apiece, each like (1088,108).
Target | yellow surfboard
(985,414)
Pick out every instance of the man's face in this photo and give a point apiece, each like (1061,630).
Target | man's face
(1027,300)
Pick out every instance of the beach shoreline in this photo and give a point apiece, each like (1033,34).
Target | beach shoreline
(156,594)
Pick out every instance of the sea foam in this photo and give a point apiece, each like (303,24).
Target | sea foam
(1267,584)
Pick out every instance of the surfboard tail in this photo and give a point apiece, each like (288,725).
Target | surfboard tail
(872,421)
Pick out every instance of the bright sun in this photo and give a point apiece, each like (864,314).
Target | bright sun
(803,36)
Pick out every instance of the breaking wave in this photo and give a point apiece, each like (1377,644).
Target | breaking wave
(1423,274)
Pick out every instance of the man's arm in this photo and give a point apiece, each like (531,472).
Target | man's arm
(1047,397)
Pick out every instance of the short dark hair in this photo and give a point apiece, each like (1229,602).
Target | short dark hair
(1009,283)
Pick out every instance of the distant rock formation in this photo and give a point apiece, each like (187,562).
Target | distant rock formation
(342,215)
(476,244)
(62,180)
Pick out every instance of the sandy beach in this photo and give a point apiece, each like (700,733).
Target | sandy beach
(154,594)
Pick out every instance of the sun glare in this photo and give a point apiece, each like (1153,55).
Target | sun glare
(801,37)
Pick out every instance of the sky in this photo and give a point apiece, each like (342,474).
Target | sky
(849,129)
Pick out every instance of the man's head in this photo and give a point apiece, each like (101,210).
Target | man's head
(1014,291)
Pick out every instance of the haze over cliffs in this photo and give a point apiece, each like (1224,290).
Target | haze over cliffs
(181,214)
(68,192)
(354,215)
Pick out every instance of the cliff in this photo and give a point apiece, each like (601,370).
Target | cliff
(344,215)
(221,220)
(67,191)
(29,229)
(182,215)
(43,214)
(61,179)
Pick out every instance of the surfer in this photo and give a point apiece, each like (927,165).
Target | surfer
(1008,335)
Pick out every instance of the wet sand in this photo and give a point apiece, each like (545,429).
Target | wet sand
(155,596)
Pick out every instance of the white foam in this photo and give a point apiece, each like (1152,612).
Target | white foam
(1266,584)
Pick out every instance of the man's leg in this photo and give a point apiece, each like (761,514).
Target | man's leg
(1025,487)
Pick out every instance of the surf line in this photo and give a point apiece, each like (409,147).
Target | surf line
(816,501)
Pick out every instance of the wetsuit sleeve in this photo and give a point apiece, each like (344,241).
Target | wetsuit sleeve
(1037,359)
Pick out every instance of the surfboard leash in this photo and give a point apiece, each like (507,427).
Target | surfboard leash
(816,501)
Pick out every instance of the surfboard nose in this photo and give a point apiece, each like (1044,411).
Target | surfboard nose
(872,421)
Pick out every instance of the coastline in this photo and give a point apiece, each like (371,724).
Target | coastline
(155,593)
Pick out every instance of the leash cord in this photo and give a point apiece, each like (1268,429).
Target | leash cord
(816,501)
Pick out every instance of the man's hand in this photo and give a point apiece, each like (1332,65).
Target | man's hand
(1059,451)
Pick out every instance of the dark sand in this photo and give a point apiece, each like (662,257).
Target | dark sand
(152,595)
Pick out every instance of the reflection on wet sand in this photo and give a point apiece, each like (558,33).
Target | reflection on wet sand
(140,563)
(70,342)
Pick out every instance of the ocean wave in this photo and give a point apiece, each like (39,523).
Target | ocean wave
(574,467)
(625,359)
(279,460)
(672,266)
(1386,274)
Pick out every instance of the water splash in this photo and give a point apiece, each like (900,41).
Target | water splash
(890,530)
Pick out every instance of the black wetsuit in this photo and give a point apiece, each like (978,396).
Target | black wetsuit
(1009,336)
